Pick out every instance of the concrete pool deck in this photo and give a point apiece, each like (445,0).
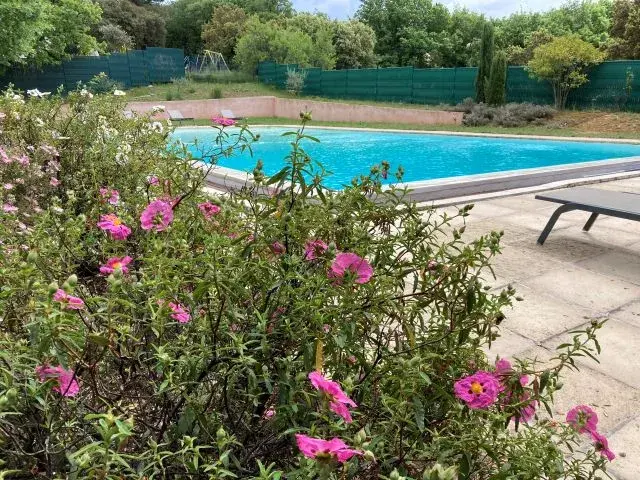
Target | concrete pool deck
(574,277)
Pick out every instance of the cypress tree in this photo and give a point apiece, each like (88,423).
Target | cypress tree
(496,90)
(486,57)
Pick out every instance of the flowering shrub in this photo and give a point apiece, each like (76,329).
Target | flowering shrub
(149,329)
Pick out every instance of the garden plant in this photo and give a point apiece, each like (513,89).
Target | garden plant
(151,329)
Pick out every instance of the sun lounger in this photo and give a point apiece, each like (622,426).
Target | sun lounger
(177,115)
(228,114)
(606,202)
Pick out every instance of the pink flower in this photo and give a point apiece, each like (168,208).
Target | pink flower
(269,413)
(153,180)
(326,328)
(8,208)
(352,359)
(479,390)
(602,445)
(314,249)
(24,161)
(583,419)
(223,122)
(68,301)
(8,186)
(116,263)
(503,367)
(527,412)
(277,248)
(208,209)
(67,384)
(157,216)
(54,182)
(319,449)
(5,158)
(180,313)
(112,224)
(110,195)
(337,398)
(345,263)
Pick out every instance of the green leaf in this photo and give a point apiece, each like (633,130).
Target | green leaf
(418,411)
(98,339)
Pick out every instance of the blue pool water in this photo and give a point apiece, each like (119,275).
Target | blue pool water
(350,153)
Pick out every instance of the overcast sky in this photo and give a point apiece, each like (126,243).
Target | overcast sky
(491,8)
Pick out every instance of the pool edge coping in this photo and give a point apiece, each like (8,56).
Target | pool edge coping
(513,136)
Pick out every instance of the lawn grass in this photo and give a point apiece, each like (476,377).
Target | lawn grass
(199,90)
(532,130)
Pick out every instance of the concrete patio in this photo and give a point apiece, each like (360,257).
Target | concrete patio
(574,277)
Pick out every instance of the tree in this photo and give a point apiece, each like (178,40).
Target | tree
(115,37)
(42,32)
(355,44)
(517,55)
(486,57)
(321,30)
(625,30)
(221,32)
(563,62)
(142,23)
(184,23)
(496,90)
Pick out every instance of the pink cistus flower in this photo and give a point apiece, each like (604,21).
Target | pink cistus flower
(277,248)
(157,216)
(116,263)
(583,418)
(338,400)
(325,450)
(68,301)
(350,263)
(180,312)
(314,249)
(54,182)
(67,385)
(153,180)
(527,412)
(8,208)
(601,444)
(223,122)
(208,209)
(113,225)
(478,391)
(503,367)
(110,195)
(269,413)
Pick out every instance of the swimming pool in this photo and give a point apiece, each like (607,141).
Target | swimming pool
(350,153)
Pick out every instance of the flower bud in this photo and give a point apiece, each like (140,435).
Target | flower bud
(53,288)
(395,475)
(72,280)
(360,437)
(221,434)
(32,257)
(369,456)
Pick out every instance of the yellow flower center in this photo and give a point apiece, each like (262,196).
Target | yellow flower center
(116,221)
(476,388)
(117,265)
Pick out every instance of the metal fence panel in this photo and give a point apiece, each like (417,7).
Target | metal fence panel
(136,67)
(612,85)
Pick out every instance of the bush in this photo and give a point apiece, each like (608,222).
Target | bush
(216,93)
(152,330)
(510,115)
(101,83)
(295,81)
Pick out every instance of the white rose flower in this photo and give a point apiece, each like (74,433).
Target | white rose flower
(119,93)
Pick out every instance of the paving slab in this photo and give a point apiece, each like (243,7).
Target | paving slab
(629,313)
(540,317)
(619,359)
(579,286)
(621,263)
(625,443)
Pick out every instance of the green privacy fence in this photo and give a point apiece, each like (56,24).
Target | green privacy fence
(613,85)
(133,68)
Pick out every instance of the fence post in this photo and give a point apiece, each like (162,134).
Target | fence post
(346,84)
(377,82)
(453,89)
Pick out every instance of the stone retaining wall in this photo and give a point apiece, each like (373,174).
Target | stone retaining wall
(291,108)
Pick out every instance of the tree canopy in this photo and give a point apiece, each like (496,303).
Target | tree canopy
(563,62)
